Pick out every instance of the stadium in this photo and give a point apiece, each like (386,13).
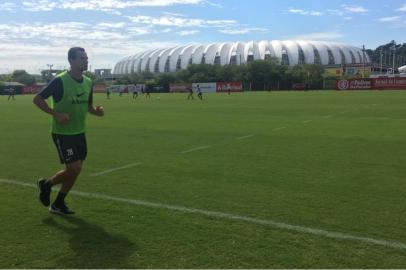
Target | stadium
(289,52)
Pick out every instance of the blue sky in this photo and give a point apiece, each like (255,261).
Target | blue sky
(34,33)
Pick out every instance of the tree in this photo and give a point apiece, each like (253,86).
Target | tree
(23,77)
(165,79)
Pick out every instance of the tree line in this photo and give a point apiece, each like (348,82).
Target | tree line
(385,54)
(259,75)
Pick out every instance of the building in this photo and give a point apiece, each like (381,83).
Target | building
(102,73)
(289,52)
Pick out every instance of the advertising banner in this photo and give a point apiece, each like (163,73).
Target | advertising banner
(180,87)
(383,83)
(389,83)
(33,89)
(99,88)
(299,86)
(139,88)
(229,87)
(362,84)
(205,87)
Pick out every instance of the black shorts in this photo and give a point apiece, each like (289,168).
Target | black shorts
(71,148)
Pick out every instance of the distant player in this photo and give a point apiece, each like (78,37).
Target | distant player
(199,92)
(148,89)
(190,96)
(72,99)
(135,92)
(228,89)
(108,92)
(11,93)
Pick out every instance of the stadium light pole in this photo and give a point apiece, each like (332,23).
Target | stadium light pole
(50,71)
(381,60)
(394,57)
(363,61)
(50,67)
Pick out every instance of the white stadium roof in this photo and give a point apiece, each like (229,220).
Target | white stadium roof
(290,52)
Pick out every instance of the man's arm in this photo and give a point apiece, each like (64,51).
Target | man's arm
(99,110)
(53,89)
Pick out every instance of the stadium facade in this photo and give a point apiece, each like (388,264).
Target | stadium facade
(289,52)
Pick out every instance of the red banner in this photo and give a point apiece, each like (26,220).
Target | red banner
(180,87)
(363,84)
(389,83)
(33,89)
(384,83)
(99,88)
(229,87)
(299,86)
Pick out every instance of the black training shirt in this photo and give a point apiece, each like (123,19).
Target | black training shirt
(55,89)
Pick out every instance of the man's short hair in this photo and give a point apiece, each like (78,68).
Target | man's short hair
(72,53)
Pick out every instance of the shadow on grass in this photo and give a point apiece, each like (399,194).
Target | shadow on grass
(91,245)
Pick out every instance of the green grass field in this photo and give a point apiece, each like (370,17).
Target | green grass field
(333,161)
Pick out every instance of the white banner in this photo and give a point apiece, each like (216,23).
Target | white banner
(205,87)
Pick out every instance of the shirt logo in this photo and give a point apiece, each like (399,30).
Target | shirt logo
(81,94)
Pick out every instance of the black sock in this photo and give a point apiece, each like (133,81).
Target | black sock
(60,199)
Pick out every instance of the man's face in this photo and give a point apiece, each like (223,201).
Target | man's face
(80,62)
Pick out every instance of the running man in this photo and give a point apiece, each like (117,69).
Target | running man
(11,93)
(108,92)
(190,96)
(199,92)
(135,91)
(147,91)
(72,99)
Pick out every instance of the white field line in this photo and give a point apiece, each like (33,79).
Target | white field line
(307,121)
(327,116)
(279,128)
(195,149)
(116,169)
(245,137)
(228,216)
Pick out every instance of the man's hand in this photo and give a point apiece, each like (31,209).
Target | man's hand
(99,111)
(61,118)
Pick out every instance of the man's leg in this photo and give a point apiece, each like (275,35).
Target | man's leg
(67,178)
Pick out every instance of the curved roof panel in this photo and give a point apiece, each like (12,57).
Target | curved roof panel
(294,51)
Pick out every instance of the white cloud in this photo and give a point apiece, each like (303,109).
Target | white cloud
(111,6)
(55,32)
(178,21)
(403,8)
(335,12)
(105,25)
(243,31)
(355,9)
(8,6)
(390,19)
(35,57)
(320,36)
(188,33)
(305,12)
(39,5)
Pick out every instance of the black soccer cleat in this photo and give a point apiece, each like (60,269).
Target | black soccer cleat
(61,209)
(44,192)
